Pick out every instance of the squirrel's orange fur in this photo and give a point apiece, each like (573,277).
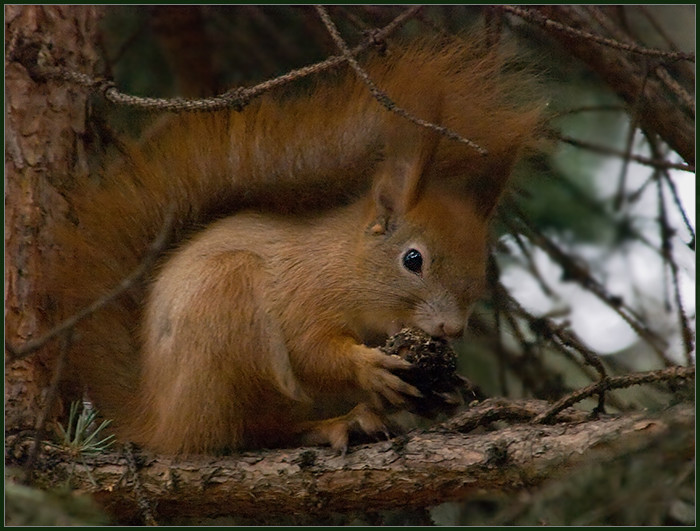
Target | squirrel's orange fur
(255,331)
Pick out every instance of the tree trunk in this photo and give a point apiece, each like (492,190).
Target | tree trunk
(44,130)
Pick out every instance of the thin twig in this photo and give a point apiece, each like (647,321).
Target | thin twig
(561,340)
(501,409)
(667,252)
(585,108)
(560,337)
(548,329)
(541,20)
(493,275)
(629,142)
(142,501)
(598,148)
(582,198)
(51,395)
(675,87)
(679,206)
(158,244)
(665,236)
(616,382)
(534,384)
(608,25)
(531,266)
(381,96)
(575,271)
(236,98)
(662,72)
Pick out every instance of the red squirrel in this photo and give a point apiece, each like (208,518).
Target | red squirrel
(324,223)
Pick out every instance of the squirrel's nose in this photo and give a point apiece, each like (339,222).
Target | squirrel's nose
(450,330)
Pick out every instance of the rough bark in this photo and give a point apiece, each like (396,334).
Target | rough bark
(421,469)
(44,127)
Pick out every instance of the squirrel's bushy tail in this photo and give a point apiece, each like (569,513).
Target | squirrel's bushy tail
(281,153)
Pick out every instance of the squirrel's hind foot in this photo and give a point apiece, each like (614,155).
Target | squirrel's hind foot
(336,431)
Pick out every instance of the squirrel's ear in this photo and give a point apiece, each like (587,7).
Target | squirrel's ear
(488,185)
(397,183)
(480,179)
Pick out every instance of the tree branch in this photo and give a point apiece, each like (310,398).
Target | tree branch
(623,69)
(421,469)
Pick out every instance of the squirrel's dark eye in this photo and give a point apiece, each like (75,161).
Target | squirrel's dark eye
(413,261)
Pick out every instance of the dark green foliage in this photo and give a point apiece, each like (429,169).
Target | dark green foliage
(28,506)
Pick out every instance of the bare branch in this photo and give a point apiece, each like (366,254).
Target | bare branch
(418,470)
(533,16)
(579,273)
(381,96)
(622,67)
(605,150)
(616,382)
(667,253)
(236,98)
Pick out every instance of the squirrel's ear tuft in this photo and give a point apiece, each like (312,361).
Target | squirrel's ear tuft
(409,150)
(479,179)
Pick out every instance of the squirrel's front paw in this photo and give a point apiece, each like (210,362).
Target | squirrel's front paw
(374,375)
